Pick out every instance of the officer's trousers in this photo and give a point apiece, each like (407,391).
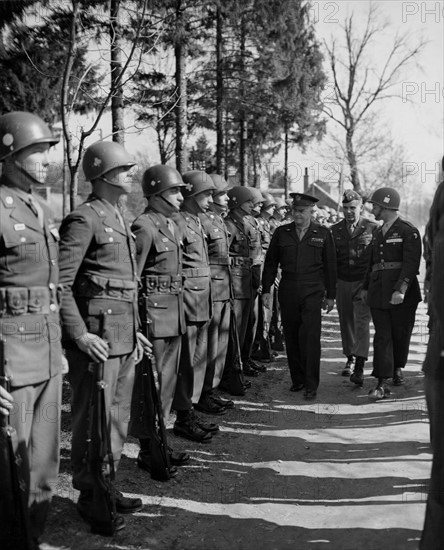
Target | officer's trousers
(218,335)
(393,330)
(119,380)
(36,419)
(192,366)
(301,320)
(354,318)
(166,353)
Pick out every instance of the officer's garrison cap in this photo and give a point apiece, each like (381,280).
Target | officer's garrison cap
(350,195)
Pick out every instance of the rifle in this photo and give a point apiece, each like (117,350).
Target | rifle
(14,531)
(99,454)
(153,416)
(233,381)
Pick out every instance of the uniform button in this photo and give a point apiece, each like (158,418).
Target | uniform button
(21,329)
(155,303)
(53,262)
(166,248)
(109,311)
(111,239)
(22,239)
(51,286)
(53,307)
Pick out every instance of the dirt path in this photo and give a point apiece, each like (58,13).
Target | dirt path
(339,473)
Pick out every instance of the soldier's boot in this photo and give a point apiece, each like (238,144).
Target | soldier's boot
(380,391)
(357,376)
(346,371)
(187,427)
(398,378)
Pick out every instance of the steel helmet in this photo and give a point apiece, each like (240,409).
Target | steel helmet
(257,195)
(269,200)
(386,197)
(238,195)
(280,203)
(103,156)
(19,130)
(159,178)
(220,183)
(196,182)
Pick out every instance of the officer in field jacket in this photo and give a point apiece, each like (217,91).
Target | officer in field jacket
(219,327)
(352,237)
(159,262)
(31,351)
(99,274)
(197,194)
(391,289)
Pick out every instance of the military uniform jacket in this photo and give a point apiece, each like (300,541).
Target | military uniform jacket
(196,269)
(400,245)
(239,239)
(353,251)
(159,263)
(218,255)
(265,231)
(99,275)
(309,261)
(29,317)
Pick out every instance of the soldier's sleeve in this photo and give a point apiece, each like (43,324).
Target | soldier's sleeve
(437,275)
(411,258)
(144,241)
(271,263)
(330,267)
(76,234)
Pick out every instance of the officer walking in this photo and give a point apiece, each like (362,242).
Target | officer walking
(352,237)
(159,264)
(391,289)
(29,311)
(219,327)
(305,252)
(99,276)
(197,194)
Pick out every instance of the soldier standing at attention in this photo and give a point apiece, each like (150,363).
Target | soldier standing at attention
(29,310)
(391,289)
(219,327)
(159,264)
(306,254)
(99,275)
(197,194)
(352,237)
(240,204)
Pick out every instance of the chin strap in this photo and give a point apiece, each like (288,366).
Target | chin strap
(169,203)
(25,173)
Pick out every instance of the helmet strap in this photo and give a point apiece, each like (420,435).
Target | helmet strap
(168,202)
(26,173)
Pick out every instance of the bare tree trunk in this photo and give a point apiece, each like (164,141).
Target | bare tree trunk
(220,157)
(243,165)
(118,125)
(352,161)
(180,51)
(286,164)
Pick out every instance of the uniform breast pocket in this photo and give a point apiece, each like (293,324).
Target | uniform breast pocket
(287,255)
(23,248)
(109,249)
(316,246)
(163,245)
(215,234)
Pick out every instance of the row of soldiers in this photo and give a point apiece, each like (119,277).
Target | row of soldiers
(97,291)
(191,266)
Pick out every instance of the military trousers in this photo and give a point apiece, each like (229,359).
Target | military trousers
(218,336)
(354,318)
(241,308)
(36,419)
(119,380)
(391,342)
(192,366)
(433,533)
(301,320)
(166,353)
(253,314)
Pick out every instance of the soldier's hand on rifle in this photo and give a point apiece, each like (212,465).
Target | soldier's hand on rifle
(266,300)
(94,346)
(143,346)
(6,401)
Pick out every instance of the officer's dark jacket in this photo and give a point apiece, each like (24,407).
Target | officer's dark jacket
(218,254)
(29,318)
(400,245)
(99,274)
(159,262)
(353,251)
(309,261)
(196,268)
(239,239)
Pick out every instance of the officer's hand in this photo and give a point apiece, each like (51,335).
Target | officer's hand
(65,365)
(364,296)
(6,401)
(259,290)
(143,346)
(266,300)
(426,291)
(94,346)
(328,304)
(397,298)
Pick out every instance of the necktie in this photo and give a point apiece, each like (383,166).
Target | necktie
(384,229)
(351,228)
(36,209)
(170,225)
(120,217)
